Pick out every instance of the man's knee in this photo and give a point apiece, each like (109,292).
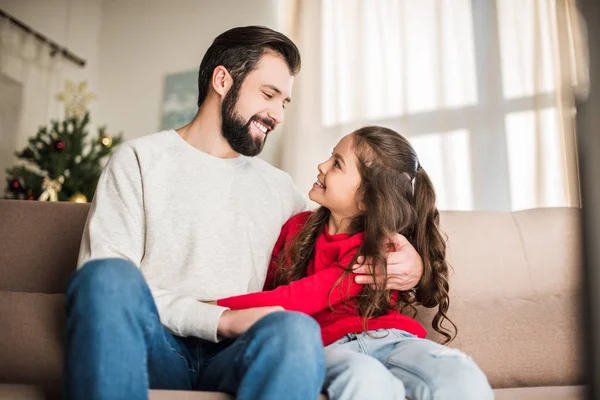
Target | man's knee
(290,335)
(106,281)
(292,326)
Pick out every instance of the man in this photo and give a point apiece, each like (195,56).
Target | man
(183,217)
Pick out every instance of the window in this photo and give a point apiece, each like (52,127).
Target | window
(472,84)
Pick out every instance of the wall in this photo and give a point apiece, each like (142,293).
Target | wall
(129,45)
(143,41)
(26,66)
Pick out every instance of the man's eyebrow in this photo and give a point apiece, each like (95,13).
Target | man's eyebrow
(276,89)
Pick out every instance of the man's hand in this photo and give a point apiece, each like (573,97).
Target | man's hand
(235,322)
(404,267)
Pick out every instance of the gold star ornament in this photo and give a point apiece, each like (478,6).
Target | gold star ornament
(76,98)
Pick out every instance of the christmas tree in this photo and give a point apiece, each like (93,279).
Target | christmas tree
(58,163)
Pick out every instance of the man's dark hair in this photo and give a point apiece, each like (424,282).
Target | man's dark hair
(240,49)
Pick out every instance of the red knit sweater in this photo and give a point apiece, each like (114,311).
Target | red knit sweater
(313,295)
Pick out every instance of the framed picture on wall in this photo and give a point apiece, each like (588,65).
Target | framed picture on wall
(179,99)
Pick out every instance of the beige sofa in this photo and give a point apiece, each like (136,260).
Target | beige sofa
(514,296)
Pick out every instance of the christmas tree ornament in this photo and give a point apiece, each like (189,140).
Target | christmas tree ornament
(51,188)
(106,141)
(15,185)
(76,98)
(78,198)
(59,145)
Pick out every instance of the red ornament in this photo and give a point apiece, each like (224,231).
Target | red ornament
(30,197)
(59,145)
(15,184)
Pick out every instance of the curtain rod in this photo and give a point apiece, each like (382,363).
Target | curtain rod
(55,47)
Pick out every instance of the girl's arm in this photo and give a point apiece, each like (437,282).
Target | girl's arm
(308,295)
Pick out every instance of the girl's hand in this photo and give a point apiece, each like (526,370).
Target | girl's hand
(404,267)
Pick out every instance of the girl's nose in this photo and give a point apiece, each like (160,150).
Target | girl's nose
(321,168)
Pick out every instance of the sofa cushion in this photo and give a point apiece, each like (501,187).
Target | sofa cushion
(187,395)
(542,393)
(515,342)
(31,345)
(40,244)
(14,391)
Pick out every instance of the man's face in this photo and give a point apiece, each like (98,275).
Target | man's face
(251,111)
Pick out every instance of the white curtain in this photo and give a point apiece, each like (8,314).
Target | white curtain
(29,81)
(483,89)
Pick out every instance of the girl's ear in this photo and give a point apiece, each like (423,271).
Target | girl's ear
(360,204)
(362,207)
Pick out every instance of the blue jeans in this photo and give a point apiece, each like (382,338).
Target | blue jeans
(116,347)
(395,364)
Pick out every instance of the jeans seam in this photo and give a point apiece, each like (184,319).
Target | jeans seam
(245,358)
(361,345)
(431,387)
(190,367)
(199,353)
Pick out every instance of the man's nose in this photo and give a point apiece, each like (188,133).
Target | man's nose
(276,115)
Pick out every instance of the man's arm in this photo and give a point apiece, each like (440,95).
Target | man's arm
(115,228)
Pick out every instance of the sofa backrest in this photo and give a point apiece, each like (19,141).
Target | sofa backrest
(39,244)
(513,291)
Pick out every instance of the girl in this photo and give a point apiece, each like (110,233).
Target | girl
(372,186)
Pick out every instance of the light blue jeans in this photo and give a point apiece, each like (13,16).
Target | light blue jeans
(394,364)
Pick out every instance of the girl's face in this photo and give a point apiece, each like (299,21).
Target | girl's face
(338,181)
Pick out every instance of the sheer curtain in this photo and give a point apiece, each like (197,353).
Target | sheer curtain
(29,81)
(483,89)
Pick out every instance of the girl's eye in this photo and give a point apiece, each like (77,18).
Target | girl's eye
(336,164)
(268,96)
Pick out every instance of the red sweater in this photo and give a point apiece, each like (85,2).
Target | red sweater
(311,295)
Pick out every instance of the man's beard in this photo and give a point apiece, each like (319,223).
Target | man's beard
(236,131)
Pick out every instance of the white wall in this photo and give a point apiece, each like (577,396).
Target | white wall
(144,40)
(129,45)
(72,24)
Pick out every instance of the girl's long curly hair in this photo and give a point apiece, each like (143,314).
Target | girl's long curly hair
(398,196)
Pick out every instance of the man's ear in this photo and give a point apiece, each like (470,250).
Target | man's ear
(221,80)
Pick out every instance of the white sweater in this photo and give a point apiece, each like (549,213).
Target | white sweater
(199,227)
